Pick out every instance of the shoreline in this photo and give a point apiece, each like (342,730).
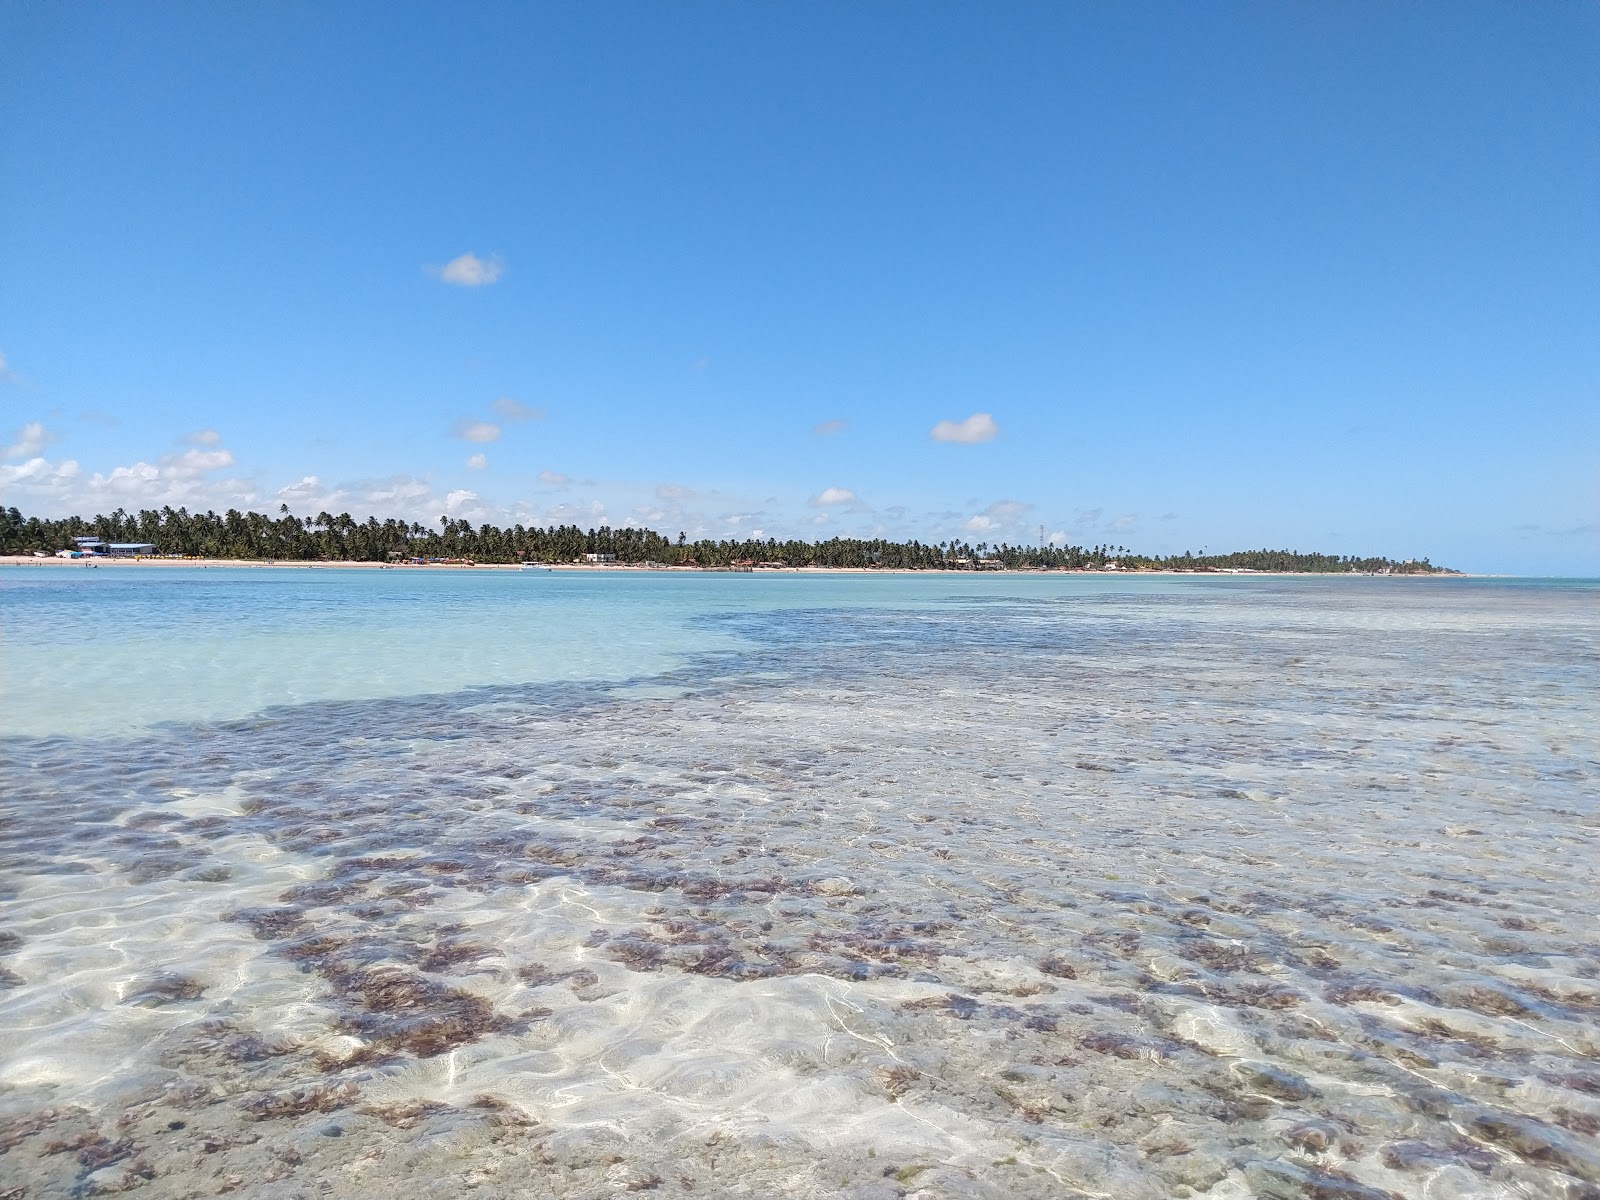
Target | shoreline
(24,560)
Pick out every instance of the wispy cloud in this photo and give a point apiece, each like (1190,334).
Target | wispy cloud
(5,367)
(1000,516)
(574,514)
(559,479)
(469,430)
(829,428)
(734,523)
(395,496)
(397,492)
(673,491)
(516,411)
(478,462)
(979,427)
(468,270)
(95,417)
(30,440)
(203,437)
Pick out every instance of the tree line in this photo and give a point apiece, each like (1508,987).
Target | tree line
(341,538)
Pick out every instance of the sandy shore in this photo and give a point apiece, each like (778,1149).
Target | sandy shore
(24,560)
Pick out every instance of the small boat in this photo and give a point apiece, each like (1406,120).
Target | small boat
(533,566)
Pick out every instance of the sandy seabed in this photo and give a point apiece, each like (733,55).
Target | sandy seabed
(1282,894)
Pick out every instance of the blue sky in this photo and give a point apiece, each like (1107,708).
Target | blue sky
(1171,276)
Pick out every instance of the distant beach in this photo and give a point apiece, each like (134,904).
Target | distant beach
(24,560)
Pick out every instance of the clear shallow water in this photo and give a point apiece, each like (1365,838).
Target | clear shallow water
(803,886)
(116,650)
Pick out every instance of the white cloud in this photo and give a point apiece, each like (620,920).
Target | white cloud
(516,411)
(198,462)
(1124,523)
(36,475)
(979,427)
(31,438)
(5,367)
(460,502)
(203,437)
(829,496)
(309,495)
(829,428)
(468,270)
(478,462)
(476,431)
(176,479)
(673,491)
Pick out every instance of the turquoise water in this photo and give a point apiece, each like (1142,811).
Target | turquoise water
(336,882)
(116,650)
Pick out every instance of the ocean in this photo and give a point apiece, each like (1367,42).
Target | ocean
(428,883)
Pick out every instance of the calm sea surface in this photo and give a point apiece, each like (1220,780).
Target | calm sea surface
(352,883)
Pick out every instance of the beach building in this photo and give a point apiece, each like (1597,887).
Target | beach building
(600,558)
(93,547)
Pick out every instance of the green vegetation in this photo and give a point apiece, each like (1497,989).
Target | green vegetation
(327,537)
